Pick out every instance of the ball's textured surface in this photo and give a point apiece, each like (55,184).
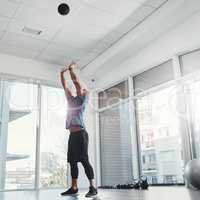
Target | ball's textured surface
(192,173)
(63,9)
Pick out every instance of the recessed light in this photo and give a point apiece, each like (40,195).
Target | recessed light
(31,31)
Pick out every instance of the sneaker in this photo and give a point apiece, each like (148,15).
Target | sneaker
(70,192)
(92,192)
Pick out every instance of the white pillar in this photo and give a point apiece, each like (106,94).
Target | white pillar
(4,116)
(133,131)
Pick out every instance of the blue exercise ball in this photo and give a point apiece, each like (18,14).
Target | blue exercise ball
(192,173)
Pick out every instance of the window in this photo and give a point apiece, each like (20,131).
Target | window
(21,108)
(168,156)
(19,131)
(160,137)
(169,179)
(116,153)
(113,94)
(190,62)
(54,138)
(192,91)
(152,158)
(153,77)
(154,180)
(160,129)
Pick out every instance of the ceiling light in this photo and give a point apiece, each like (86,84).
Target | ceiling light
(31,31)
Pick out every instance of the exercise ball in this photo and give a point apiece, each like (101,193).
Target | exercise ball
(192,173)
(63,9)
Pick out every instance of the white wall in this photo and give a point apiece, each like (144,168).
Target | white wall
(17,66)
(183,37)
(22,67)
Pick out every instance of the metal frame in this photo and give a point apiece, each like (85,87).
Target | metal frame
(3,132)
(133,131)
(184,127)
(38,136)
(1,136)
(185,80)
(97,145)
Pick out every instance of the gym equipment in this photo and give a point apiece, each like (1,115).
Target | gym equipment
(107,187)
(126,186)
(144,183)
(192,173)
(63,9)
(136,185)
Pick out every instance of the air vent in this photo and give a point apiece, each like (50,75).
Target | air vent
(31,31)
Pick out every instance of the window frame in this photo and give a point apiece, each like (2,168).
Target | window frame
(179,81)
(39,83)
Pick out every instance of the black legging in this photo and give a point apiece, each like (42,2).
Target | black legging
(87,166)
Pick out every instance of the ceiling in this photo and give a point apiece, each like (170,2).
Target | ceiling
(91,27)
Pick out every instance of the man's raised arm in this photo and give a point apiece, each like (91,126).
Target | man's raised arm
(64,83)
(75,79)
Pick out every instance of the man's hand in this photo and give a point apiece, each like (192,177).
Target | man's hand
(72,65)
(63,70)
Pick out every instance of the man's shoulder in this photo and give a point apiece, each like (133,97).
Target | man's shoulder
(83,98)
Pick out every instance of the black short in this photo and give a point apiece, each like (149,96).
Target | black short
(77,146)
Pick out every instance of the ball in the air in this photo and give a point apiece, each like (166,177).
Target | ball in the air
(63,9)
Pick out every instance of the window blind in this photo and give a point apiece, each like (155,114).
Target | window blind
(115,143)
(190,62)
(153,77)
(113,94)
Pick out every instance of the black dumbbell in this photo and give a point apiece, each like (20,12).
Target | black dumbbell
(144,184)
(136,185)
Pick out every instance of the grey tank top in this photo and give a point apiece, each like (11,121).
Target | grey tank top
(75,112)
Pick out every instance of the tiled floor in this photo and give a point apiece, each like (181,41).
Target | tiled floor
(154,193)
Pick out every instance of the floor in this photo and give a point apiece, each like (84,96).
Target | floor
(154,193)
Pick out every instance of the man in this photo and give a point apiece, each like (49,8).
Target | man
(78,139)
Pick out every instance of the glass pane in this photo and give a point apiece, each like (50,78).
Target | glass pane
(190,62)
(153,77)
(193,94)
(54,138)
(113,94)
(160,137)
(115,145)
(21,141)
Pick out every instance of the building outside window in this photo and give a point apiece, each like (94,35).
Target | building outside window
(160,137)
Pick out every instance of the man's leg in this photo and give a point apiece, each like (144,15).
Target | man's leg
(88,171)
(74,174)
(90,175)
